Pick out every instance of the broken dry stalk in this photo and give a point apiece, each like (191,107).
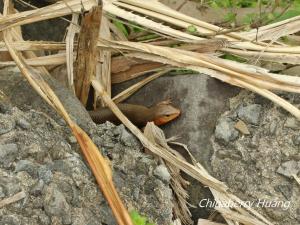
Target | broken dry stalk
(134,88)
(87,53)
(17,197)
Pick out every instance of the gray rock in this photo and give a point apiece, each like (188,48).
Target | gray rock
(45,174)
(293,71)
(60,150)
(2,194)
(56,205)
(10,185)
(250,113)
(225,131)
(23,123)
(6,124)
(37,188)
(44,219)
(10,220)
(292,122)
(126,137)
(277,214)
(12,83)
(273,127)
(289,168)
(8,153)
(298,214)
(72,140)
(286,190)
(162,172)
(296,140)
(27,166)
(273,66)
(5,107)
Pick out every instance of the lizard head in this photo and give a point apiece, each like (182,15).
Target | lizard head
(164,112)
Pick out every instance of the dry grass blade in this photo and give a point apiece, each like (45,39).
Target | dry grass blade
(252,74)
(177,183)
(17,197)
(135,71)
(103,69)
(92,154)
(17,36)
(252,78)
(284,28)
(140,12)
(49,60)
(207,222)
(34,46)
(134,88)
(72,30)
(297,179)
(267,56)
(52,11)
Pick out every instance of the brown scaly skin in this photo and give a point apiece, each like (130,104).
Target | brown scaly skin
(160,114)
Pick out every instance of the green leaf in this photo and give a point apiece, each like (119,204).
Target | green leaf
(230,17)
(137,219)
(191,29)
(233,58)
(287,15)
(214,5)
(121,27)
(249,18)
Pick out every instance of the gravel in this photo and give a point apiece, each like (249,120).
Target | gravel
(37,157)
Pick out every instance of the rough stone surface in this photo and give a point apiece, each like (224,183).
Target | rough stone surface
(293,71)
(292,123)
(258,167)
(250,113)
(162,172)
(39,159)
(225,131)
(13,85)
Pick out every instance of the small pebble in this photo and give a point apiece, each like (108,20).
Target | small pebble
(273,127)
(72,140)
(8,153)
(23,123)
(296,140)
(292,122)
(162,172)
(27,166)
(225,131)
(289,168)
(55,204)
(250,113)
(10,220)
(37,188)
(45,174)
(6,124)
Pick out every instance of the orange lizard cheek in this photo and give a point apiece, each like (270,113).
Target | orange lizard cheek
(165,119)
(159,121)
